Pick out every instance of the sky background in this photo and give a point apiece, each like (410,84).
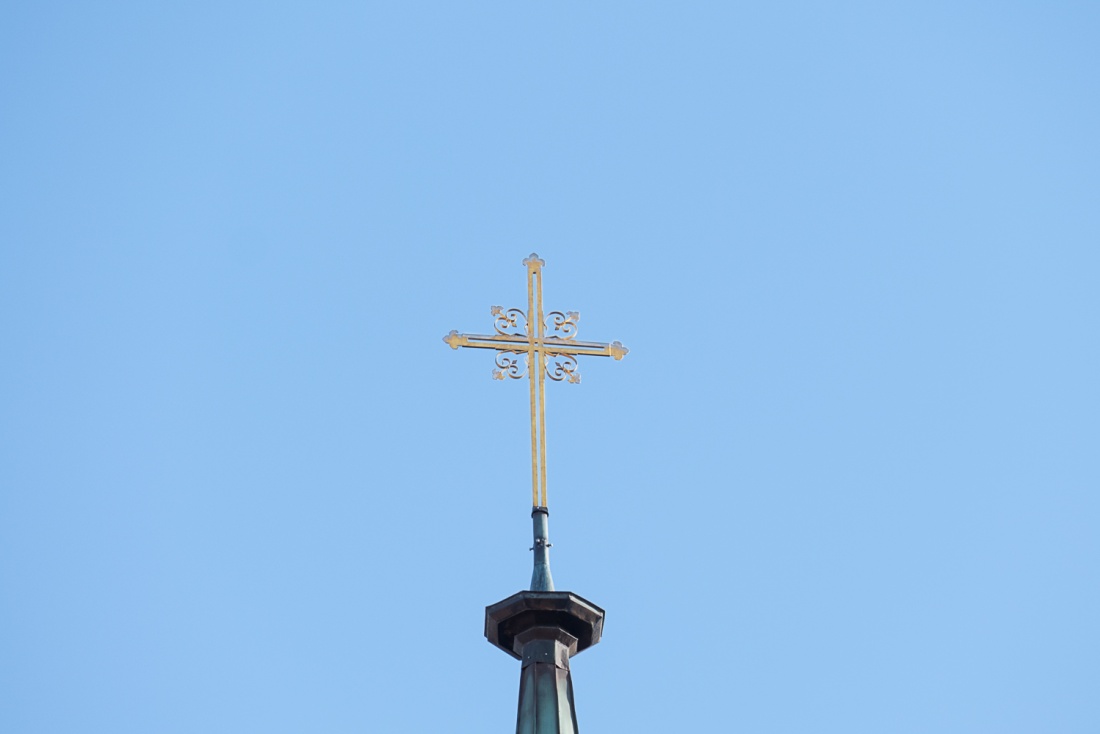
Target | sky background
(845,481)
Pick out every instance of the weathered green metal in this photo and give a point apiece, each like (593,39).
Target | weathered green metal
(508,619)
(540,576)
(545,686)
(544,629)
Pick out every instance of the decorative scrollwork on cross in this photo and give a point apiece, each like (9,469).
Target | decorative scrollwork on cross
(564,324)
(511,365)
(509,322)
(561,367)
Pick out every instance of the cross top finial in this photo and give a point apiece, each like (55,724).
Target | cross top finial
(537,345)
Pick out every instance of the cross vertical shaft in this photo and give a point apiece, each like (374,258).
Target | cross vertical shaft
(537,405)
(534,279)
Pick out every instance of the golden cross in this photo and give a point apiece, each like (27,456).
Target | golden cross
(555,354)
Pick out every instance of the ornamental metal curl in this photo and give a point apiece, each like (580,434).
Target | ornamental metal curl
(510,365)
(511,318)
(562,367)
(563,323)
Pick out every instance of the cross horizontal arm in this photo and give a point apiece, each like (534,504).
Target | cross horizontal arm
(549,345)
(553,345)
(483,341)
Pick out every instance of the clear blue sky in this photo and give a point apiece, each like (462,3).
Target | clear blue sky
(845,481)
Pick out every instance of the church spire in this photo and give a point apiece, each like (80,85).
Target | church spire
(544,629)
(541,627)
